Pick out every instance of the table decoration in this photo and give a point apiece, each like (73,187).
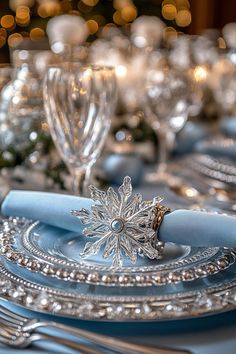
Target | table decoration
(124,224)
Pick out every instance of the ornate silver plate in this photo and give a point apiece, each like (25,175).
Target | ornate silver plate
(209,295)
(56,253)
(216,168)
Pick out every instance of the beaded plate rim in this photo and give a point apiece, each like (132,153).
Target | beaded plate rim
(214,300)
(90,276)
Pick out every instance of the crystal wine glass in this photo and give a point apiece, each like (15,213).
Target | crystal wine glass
(167,101)
(79,102)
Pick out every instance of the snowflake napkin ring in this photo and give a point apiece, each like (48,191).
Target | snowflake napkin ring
(123,223)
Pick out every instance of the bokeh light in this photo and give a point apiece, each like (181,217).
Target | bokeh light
(170,34)
(15,39)
(169,11)
(37,34)
(183,18)
(49,9)
(200,73)
(7,21)
(129,13)
(14,4)
(117,18)
(92,26)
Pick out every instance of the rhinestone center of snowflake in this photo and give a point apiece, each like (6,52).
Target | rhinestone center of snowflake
(117,225)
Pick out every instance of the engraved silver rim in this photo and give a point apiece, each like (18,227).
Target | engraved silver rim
(40,298)
(22,227)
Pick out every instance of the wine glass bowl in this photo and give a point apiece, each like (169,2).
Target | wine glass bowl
(167,96)
(79,102)
(167,92)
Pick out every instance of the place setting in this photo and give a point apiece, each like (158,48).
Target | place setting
(117,179)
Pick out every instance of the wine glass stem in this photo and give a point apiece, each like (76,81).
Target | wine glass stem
(163,150)
(166,143)
(81,178)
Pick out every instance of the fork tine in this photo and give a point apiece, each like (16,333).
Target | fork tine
(9,323)
(12,314)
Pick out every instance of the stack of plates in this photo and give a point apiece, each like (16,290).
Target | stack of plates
(41,269)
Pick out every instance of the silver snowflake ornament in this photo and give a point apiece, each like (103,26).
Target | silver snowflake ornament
(121,224)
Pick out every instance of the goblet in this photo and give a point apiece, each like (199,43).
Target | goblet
(79,102)
(167,102)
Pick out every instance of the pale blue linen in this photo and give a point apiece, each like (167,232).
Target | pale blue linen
(181,226)
(117,166)
(228,126)
(190,135)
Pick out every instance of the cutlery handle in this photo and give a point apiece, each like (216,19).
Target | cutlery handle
(109,342)
(81,348)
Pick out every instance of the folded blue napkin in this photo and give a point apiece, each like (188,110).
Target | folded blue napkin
(117,166)
(189,136)
(223,149)
(181,226)
(228,126)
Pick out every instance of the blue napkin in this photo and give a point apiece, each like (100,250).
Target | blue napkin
(189,136)
(228,126)
(117,166)
(185,227)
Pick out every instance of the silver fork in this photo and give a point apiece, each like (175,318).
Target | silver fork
(20,331)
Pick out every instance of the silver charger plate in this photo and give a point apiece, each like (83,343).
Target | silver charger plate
(92,301)
(56,253)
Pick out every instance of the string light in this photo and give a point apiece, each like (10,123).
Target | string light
(7,21)
(15,39)
(125,13)
(170,34)
(36,34)
(169,11)
(117,18)
(121,71)
(183,18)
(14,4)
(129,13)
(22,15)
(200,73)
(178,10)
(49,9)
(92,26)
